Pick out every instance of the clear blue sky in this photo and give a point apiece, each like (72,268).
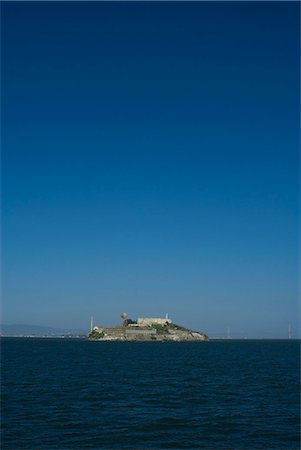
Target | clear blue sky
(151,164)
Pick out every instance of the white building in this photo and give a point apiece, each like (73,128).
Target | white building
(144,321)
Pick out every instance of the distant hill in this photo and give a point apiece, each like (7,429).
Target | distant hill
(16,330)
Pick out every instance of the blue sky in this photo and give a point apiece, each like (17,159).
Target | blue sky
(150,158)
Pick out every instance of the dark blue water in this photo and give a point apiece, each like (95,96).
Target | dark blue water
(74,394)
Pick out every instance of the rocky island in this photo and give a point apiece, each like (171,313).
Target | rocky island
(145,329)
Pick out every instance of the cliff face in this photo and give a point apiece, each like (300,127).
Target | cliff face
(154,332)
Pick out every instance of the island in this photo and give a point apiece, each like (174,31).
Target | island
(145,329)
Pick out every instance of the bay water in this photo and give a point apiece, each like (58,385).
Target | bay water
(76,394)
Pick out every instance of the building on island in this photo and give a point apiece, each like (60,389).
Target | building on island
(141,323)
(146,321)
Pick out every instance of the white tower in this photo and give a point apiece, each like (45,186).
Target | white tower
(91,324)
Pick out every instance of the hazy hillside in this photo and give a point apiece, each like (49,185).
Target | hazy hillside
(34,330)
